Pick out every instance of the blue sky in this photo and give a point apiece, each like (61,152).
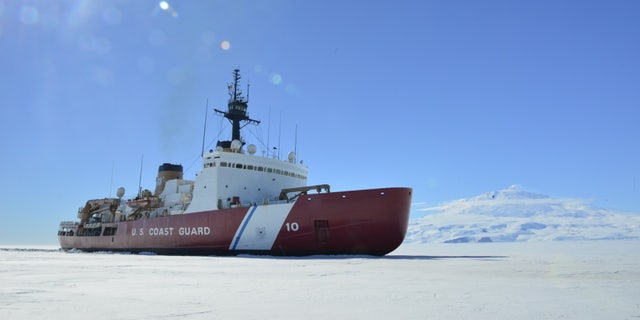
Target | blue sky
(452,98)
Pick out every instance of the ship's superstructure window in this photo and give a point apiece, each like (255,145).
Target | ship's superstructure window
(256,168)
(109,231)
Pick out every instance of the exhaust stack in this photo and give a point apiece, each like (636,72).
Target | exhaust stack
(167,171)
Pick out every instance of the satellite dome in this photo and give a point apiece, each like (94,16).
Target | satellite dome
(219,148)
(251,149)
(236,145)
(292,156)
(120,192)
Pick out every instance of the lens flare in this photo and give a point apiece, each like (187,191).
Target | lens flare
(165,6)
(225,45)
(276,78)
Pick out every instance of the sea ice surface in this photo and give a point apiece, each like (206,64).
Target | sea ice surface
(523,280)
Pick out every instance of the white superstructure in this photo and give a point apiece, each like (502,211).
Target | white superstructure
(233,178)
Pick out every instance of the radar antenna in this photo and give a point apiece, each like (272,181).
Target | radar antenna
(236,111)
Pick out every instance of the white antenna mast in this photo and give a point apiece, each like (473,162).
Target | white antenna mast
(268,131)
(204,131)
(140,179)
(113,165)
(295,142)
(279,133)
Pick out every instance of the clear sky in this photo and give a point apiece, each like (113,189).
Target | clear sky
(452,98)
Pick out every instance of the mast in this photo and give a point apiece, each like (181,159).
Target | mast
(236,111)
(204,131)
(140,178)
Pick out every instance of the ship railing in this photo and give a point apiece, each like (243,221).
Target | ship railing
(263,203)
(93,225)
(275,201)
(68,228)
(69,224)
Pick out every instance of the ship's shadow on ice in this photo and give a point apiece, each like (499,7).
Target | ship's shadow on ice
(389,257)
(423,257)
(30,249)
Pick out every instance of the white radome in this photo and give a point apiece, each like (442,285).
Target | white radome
(120,192)
(236,145)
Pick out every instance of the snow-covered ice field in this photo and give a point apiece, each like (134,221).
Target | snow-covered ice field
(526,280)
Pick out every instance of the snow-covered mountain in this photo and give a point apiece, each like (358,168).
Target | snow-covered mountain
(513,214)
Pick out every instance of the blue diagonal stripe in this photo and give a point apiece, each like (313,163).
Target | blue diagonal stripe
(244,225)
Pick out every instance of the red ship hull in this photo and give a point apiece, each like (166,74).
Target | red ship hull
(370,222)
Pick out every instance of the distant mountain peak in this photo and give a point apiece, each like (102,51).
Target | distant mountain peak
(513,192)
(513,214)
